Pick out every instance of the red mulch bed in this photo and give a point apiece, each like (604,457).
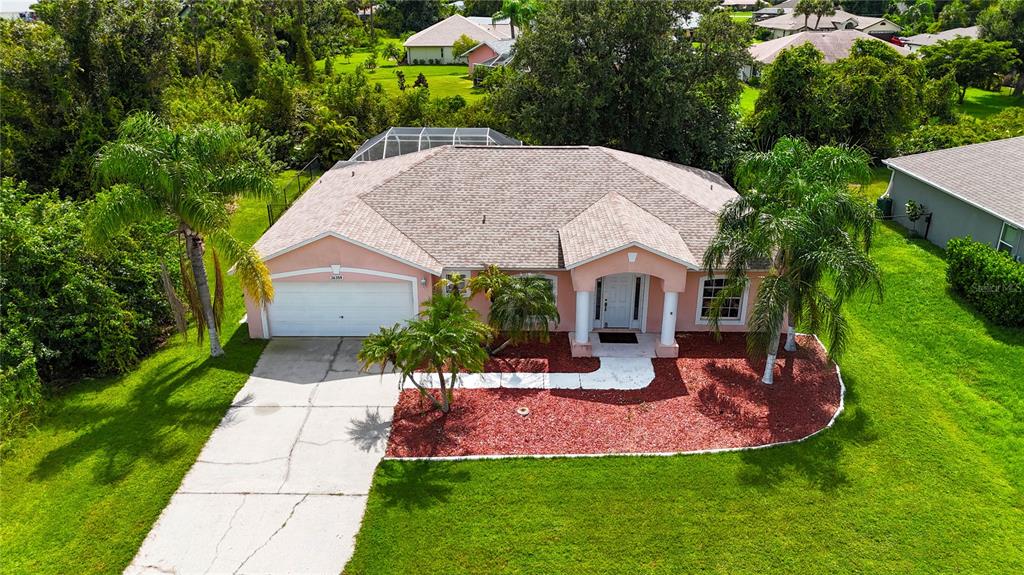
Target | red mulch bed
(710,397)
(534,357)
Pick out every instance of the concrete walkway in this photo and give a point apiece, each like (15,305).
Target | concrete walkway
(614,373)
(281,485)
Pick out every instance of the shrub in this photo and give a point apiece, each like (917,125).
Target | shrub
(69,310)
(991,280)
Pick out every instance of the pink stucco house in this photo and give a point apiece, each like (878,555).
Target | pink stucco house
(620,237)
(491,53)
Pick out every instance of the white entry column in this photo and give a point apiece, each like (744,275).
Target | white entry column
(582,316)
(668,318)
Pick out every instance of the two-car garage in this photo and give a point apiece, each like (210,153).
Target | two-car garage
(338,308)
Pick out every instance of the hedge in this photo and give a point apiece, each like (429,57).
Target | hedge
(991,280)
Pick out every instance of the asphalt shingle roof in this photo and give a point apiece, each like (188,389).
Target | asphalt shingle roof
(989,175)
(834,45)
(465,206)
(447,31)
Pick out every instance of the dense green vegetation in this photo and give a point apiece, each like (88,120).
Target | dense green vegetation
(923,472)
(991,280)
(82,489)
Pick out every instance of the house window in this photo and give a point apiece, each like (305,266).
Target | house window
(597,301)
(1009,238)
(732,308)
(462,285)
(636,300)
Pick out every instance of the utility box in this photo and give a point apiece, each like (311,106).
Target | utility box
(884,205)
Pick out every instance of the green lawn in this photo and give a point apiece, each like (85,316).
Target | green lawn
(81,490)
(748,98)
(443,81)
(923,473)
(982,103)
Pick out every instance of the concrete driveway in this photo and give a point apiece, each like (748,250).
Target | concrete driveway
(282,483)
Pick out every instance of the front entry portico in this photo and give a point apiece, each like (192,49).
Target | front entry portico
(621,302)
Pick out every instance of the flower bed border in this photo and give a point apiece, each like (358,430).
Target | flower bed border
(831,422)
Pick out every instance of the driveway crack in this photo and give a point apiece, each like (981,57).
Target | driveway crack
(216,550)
(274,534)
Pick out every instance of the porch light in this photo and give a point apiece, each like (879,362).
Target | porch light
(632,257)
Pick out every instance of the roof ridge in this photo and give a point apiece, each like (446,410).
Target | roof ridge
(941,150)
(631,223)
(652,178)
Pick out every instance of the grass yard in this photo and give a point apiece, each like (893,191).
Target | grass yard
(923,473)
(982,103)
(748,98)
(81,489)
(443,81)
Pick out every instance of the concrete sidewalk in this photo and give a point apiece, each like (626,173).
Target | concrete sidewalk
(614,373)
(281,485)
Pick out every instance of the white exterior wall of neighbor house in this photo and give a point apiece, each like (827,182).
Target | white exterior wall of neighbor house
(951,216)
(424,54)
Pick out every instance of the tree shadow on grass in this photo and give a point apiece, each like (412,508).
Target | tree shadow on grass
(147,427)
(417,484)
(819,459)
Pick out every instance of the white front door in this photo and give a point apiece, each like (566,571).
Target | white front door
(329,308)
(617,293)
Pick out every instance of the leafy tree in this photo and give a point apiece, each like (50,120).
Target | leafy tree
(1004,21)
(303,53)
(245,57)
(518,12)
(522,307)
(401,80)
(151,171)
(794,96)
(329,66)
(421,82)
(398,16)
(866,7)
(391,52)
(330,136)
(482,7)
(200,18)
(447,338)
(462,45)
(203,99)
(581,68)
(972,62)
(939,98)
(347,50)
(954,15)
(797,212)
(1007,124)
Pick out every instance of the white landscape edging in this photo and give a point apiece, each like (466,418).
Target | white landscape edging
(831,422)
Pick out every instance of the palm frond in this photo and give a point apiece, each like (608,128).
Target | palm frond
(766,317)
(249,266)
(177,309)
(195,305)
(116,208)
(218,291)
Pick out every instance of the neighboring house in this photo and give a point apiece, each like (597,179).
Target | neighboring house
(975,190)
(776,10)
(399,140)
(914,43)
(834,45)
(790,23)
(489,53)
(619,236)
(434,44)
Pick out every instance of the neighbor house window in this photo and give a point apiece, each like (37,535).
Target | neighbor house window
(462,285)
(732,307)
(1009,238)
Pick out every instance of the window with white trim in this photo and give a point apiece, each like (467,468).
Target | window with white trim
(462,285)
(1009,238)
(732,307)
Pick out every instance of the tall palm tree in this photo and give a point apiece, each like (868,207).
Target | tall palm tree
(447,337)
(796,215)
(151,171)
(519,13)
(522,307)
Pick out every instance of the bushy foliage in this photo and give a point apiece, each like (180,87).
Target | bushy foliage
(462,45)
(972,62)
(1007,124)
(615,73)
(70,310)
(991,280)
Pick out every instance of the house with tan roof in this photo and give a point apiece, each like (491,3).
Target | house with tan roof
(833,45)
(434,44)
(790,23)
(916,42)
(618,236)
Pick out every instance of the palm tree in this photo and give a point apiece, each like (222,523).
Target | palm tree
(797,215)
(822,8)
(519,13)
(446,338)
(522,307)
(151,171)
(805,8)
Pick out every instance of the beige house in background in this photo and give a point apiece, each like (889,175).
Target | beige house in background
(435,43)
(834,46)
(790,23)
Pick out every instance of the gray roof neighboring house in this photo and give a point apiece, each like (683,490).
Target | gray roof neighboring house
(989,176)
(794,22)
(521,207)
(834,45)
(931,39)
(500,47)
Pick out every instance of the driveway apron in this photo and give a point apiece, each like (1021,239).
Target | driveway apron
(281,485)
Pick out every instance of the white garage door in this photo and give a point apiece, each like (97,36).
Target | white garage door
(338,307)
